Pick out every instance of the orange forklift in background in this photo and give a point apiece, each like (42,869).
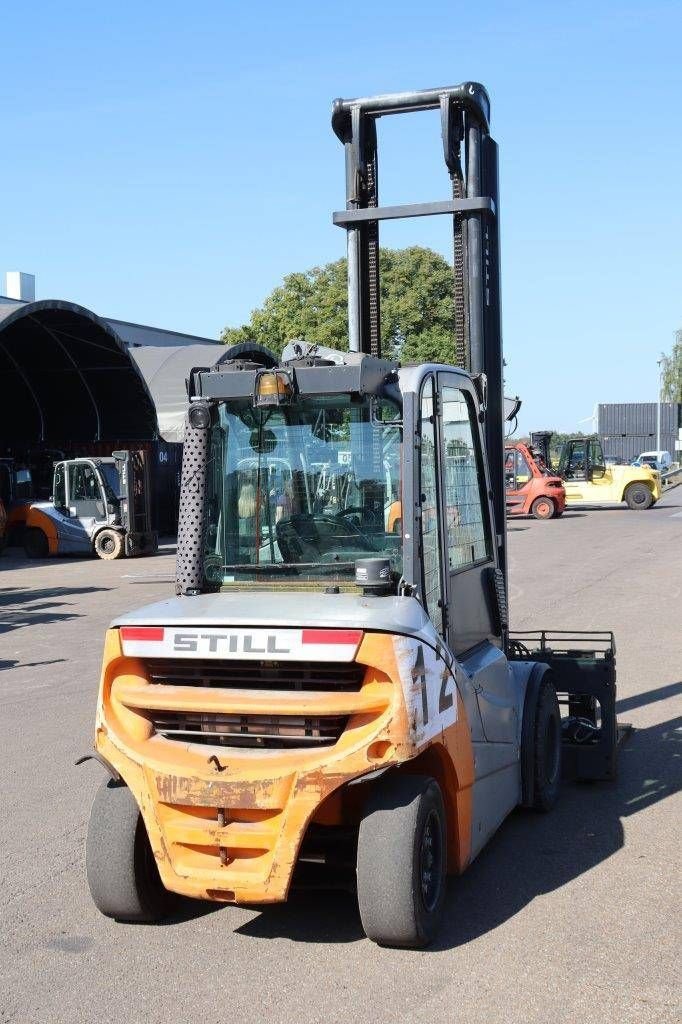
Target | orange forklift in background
(531,488)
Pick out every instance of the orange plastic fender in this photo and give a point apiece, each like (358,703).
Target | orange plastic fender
(38,520)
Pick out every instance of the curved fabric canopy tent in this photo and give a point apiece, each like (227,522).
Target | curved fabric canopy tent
(66,373)
(165,370)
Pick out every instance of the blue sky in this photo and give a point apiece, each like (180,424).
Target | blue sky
(168,163)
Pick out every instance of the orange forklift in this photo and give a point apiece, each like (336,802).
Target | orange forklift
(330,693)
(531,488)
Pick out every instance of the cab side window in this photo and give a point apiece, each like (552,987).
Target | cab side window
(24,483)
(577,462)
(509,475)
(468,534)
(83,483)
(523,473)
(59,496)
(428,486)
(597,462)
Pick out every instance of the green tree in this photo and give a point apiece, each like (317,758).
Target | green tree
(671,376)
(416,308)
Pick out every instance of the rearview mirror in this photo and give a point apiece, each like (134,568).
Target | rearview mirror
(598,472)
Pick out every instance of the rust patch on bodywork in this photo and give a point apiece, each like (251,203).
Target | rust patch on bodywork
(257,793)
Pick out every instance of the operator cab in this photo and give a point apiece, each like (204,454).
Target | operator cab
(87,489)
(308,476)
(582,459)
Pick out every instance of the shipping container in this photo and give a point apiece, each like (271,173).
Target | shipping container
(627,429)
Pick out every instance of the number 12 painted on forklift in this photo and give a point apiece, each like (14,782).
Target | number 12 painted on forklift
(429,688)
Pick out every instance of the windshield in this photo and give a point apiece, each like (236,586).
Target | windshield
(112,484)
(303,490)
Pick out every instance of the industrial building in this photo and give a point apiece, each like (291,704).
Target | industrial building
(628,428)
(77,383)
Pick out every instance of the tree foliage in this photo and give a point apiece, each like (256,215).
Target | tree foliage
(417,313)
(671,376)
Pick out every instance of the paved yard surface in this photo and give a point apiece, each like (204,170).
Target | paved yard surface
(565,918)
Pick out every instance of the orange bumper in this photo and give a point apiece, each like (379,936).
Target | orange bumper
(227,823)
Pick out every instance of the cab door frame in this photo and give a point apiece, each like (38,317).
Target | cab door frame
(472,630)
(73,533)
(482,669)
(467,635)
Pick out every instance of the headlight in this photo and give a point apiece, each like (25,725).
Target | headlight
(199,416)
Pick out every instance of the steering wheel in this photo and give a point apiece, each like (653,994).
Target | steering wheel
(309,536)
(351,529)
(352,510)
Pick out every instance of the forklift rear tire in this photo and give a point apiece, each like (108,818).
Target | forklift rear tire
(543,508)
(401,865)
(122,874)
(547,748)
(35,543)
(109,545)
(638,497)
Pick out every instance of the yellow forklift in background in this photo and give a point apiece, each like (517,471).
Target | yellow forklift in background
(588,480)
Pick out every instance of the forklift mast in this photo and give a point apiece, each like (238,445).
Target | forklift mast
(470,156)
(541,441)
(133,472)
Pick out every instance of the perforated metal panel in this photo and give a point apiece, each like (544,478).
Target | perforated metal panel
(189,561)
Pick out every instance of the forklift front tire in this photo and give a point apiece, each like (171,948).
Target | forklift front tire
(122,873)
(109,545)
(35,543)
(547,748)
(401,865)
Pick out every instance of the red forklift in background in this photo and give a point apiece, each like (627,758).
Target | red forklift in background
(531,488)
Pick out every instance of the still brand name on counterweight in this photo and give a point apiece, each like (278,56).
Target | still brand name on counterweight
(228,642)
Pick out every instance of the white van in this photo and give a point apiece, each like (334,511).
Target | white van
(662,461)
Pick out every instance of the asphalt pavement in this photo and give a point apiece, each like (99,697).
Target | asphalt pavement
(569,917)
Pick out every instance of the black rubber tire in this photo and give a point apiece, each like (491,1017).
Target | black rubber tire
(122,873)
(546,748)
(403,826)
(543,503)
(35,543)
(638,497)
(109,545)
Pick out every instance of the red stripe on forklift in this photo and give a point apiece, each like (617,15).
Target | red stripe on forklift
(142,632)
(332,636)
